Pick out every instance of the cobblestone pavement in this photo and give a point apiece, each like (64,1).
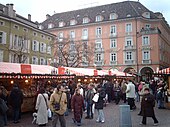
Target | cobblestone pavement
(111,115)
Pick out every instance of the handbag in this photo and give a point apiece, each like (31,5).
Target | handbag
(57,104)
(3,106)
(96,97)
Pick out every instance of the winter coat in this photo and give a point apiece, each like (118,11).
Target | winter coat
(41,107)
(77,104)
(147,105)
(100,103)
(16,98)
(55,97)
(89,96)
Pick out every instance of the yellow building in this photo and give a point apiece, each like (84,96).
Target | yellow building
(21,40)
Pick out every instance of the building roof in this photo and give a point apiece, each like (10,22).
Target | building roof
(124,10)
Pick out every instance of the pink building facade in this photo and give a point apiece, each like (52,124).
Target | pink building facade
(127,36)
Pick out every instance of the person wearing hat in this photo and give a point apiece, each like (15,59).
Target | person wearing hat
(147,107)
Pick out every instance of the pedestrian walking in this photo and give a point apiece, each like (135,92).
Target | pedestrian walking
(147,107)
(3,109)
(89,96)
(77,105)
(130,94)
(100,104)
(42,108)
(58,105)
(16,100)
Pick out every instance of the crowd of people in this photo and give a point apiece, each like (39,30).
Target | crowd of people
(59,100)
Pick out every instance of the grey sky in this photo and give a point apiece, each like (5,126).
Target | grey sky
(39,8)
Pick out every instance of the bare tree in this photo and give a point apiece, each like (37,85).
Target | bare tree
(71,53)
(19,49)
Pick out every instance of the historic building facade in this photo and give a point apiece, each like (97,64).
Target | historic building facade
(127,35)
(21,41)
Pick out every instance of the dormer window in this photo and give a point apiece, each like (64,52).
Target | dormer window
(72,22)
(98,18)
(85,20)
(41,27)
(146,15)
(61,24)
(50,25)
(113,16)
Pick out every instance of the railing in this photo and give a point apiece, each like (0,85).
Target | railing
(154,30)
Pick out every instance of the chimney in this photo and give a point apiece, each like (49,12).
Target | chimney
(29,17)
(10,10)
(47,16)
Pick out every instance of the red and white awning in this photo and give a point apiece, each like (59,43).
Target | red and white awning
(25,68)
(164,71)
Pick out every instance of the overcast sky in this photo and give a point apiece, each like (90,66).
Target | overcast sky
(39,8)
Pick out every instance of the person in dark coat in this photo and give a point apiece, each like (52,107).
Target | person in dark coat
(100,104)
(16,100)
(77,105)
(147,107)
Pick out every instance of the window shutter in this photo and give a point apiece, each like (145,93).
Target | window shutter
(45,50)
(4,38)
(37,46)
(33,45)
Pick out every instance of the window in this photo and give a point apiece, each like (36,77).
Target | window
(35,34)
(113,57)
(129,41)
(129,27)
(1,55)
(128,55)
(146,55)
(72,47)
(145,40)
(113,16)
(42,47)
(85,45)
(41,27)
(35,45)
(2,37)
(16,26)
(2,23)
(25,29)
(98,31)
(85,34)
(50,25)
(61,24)
(72,22)
(72,34)
(113,30)
(85,20)
(60,36)
(98,57)
(34,60)
(98,18)
(113,43)
(98,44)
(49,50)
(42,61)
(147,25)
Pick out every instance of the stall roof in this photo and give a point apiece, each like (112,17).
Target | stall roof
(26,68)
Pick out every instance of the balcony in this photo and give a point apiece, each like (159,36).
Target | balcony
(99,50)
(130,47)
(113,62)
(113,35)
(84,38)
(154,30)
(98,36)
(146,61)
(99,63)
(129,62)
